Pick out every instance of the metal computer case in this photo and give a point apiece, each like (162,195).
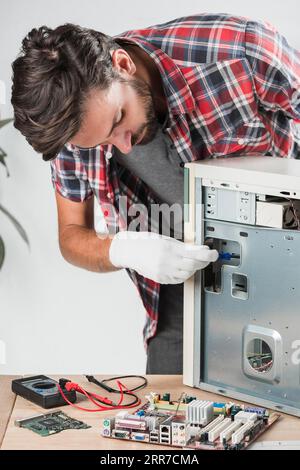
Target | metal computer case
(258,296)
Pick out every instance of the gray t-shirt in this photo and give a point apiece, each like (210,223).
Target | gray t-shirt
(158,165)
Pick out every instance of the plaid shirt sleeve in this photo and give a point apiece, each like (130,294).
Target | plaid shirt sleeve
(69,176)
(276,69)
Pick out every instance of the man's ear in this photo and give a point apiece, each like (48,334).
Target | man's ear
(122,62)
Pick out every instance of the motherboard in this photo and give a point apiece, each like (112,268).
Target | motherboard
(190,423)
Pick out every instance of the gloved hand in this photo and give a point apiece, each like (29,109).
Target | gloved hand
(158,257)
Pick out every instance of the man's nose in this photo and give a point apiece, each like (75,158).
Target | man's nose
(123,141)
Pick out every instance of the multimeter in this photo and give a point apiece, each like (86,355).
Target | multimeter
(42,391)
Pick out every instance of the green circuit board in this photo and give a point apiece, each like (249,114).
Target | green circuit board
(50,423)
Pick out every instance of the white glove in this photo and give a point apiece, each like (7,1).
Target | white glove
(160,258)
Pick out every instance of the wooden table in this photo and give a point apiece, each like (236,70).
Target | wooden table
(7,402)
(11,408)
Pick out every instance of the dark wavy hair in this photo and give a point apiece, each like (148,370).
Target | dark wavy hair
(52,76)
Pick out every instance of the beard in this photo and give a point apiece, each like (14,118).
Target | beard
(149,128)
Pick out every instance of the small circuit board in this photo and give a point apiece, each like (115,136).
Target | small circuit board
(190,423)
(50,423)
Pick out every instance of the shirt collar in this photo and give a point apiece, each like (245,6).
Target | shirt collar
(179,95)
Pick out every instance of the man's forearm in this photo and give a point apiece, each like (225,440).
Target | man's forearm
(82,247)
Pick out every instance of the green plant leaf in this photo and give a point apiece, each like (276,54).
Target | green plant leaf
(13,220)
(5,121)
(16,224)
(2,160)
(2,252)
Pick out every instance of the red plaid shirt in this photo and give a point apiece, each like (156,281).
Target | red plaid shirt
(232,86)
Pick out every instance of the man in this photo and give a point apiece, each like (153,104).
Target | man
(198,87)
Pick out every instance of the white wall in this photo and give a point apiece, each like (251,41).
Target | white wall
(55,318)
